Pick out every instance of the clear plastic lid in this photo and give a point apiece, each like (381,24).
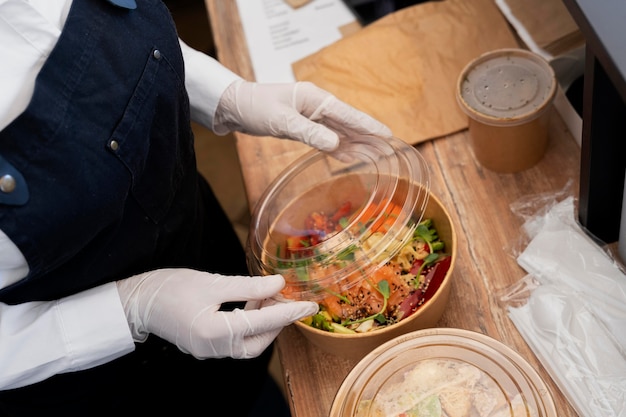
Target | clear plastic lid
(443,372)
(314,223)
(506,87)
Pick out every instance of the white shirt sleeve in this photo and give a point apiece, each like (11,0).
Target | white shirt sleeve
(41,339)
(205,80)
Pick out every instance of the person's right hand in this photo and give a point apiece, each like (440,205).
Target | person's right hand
(299,111)
(182,307)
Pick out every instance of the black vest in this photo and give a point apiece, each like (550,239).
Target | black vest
(105,149)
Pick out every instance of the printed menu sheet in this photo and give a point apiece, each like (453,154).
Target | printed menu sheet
(279,34)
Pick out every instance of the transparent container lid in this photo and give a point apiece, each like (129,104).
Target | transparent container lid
(315,221)
(443,372)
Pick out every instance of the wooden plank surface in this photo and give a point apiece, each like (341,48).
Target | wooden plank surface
(478,201)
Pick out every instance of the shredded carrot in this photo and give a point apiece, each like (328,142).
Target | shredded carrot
(386,220)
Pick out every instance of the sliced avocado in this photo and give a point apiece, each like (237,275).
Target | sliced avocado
(428,407)
(338,328)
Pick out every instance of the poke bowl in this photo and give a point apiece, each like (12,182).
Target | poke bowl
(443,372)
(359,232)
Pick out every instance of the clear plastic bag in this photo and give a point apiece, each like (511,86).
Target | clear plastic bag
(571,307)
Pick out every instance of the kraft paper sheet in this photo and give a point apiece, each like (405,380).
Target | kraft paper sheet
(403,68)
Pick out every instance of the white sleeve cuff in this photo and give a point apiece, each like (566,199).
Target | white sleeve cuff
(95,326)
(205,81)
(47,338)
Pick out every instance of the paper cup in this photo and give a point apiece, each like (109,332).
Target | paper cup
(508,95)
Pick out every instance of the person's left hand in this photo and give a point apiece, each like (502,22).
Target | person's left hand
(299,111)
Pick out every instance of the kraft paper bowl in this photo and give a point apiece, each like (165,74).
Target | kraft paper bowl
(364,170)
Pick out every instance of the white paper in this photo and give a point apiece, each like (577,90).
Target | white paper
(278,35)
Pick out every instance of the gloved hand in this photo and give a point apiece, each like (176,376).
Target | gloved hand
(181,306)
(299,111)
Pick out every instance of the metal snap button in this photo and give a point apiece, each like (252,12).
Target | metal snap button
(114,145)
(156,54)
(7,184)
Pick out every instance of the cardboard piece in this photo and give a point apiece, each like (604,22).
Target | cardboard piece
(545,23)
(403,68)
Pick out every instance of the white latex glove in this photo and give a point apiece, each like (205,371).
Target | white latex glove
(181,306)
(299,111)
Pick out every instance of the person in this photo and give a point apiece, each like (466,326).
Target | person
(123,288)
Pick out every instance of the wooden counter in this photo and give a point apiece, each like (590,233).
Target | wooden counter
(478,201)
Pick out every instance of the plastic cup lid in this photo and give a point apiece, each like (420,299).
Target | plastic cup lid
(506,87)
(365,172)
